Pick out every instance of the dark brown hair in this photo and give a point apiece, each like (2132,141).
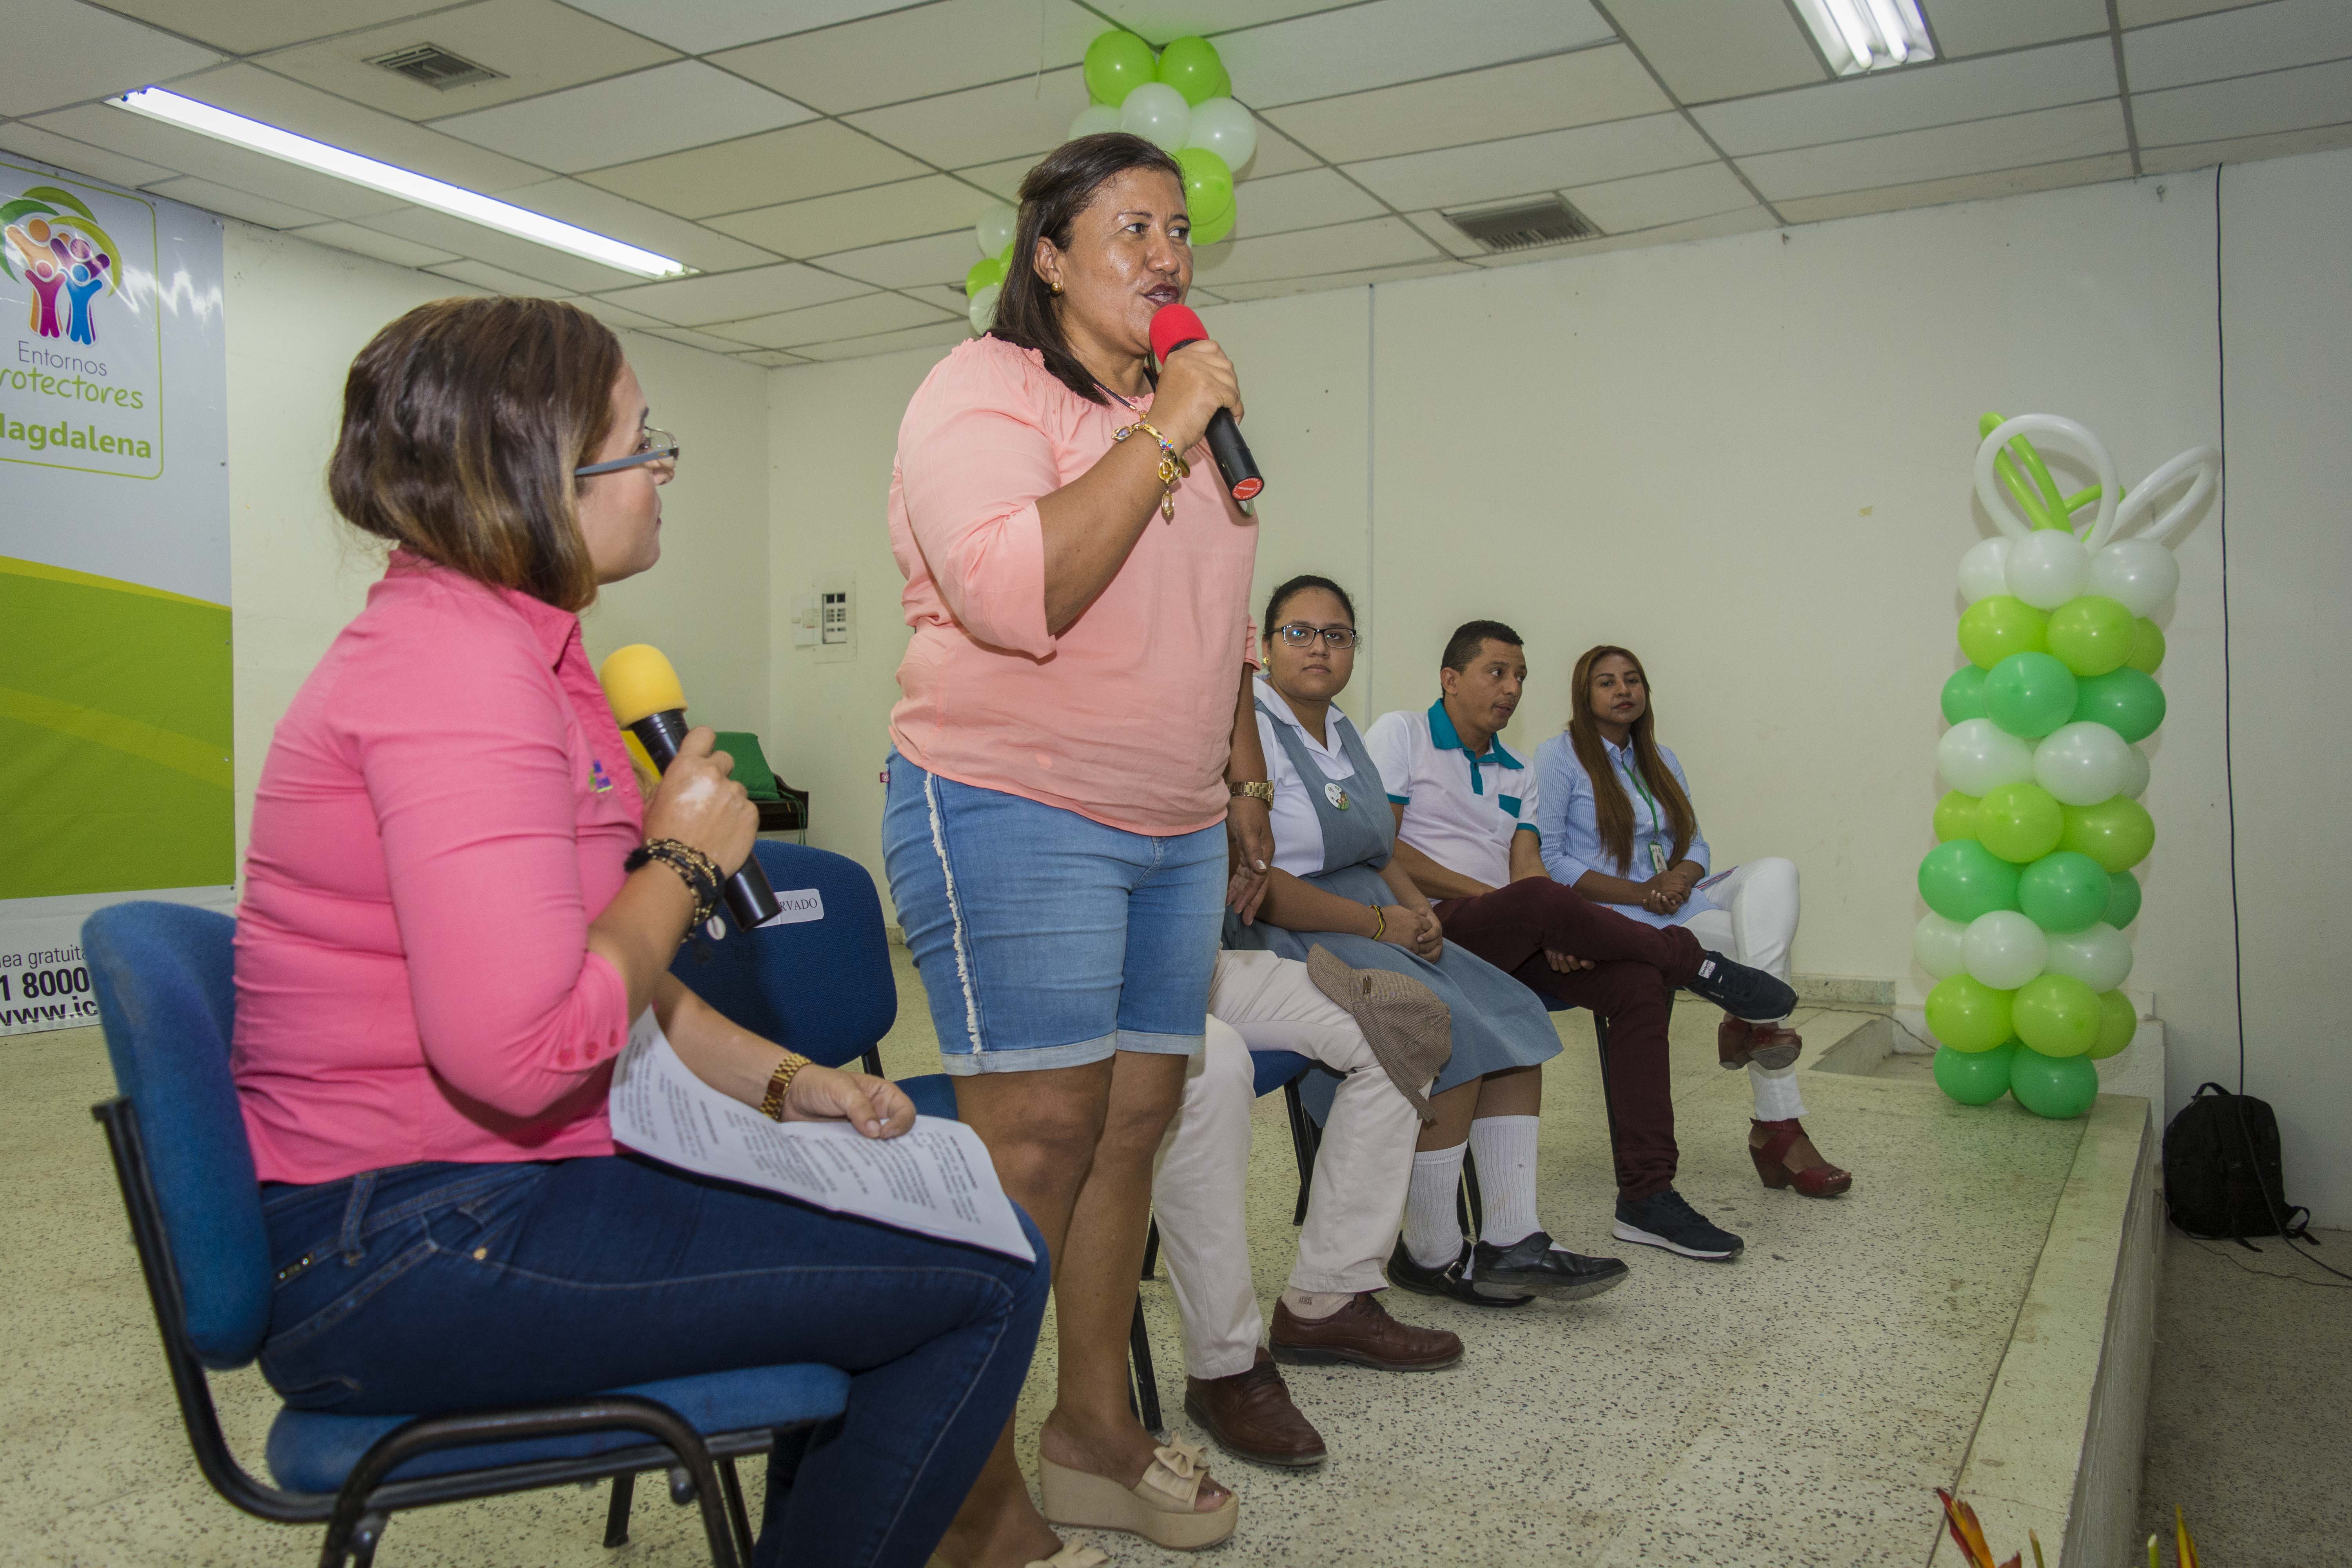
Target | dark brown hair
(1052,196)
(462,423)
(1612,812)
(1299,584)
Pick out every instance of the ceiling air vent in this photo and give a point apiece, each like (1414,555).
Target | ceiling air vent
(1523,226)
(436,67)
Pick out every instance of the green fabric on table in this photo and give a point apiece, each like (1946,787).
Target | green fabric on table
(750,764)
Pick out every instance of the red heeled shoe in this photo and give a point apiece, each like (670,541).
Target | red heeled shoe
(1822,1181)
(1738,1042)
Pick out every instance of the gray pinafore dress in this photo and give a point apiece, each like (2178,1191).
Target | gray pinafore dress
(1498,1022)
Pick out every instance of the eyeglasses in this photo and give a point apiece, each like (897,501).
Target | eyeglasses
(1298,634)
(653,446)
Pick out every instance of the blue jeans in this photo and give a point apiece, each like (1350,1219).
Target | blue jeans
(420,1289)
(1044,938)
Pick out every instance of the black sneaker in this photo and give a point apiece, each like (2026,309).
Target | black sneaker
(1533,1265)
(1451,1282)
(1665,1219)
(1742,992)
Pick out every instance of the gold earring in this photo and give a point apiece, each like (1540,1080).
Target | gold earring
(1056,287)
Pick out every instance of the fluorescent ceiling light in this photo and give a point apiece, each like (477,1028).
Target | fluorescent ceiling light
(1859,36)
(406,183)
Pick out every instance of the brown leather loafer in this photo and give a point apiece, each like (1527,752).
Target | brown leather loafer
(1362,1332)
(1250,1415)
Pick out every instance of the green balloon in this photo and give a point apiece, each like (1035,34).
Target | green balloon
(2123,900)
(1190,66)
(1966,1015)
(2118,1022)
(1955,816)
(1963,879)
(1998,625)
(1975,1077)
(1216,228)
(987,271)
(2117,833)
(2065,891)
(1117,64)
(2060,1088)
(2147,647)
(2029,694)
(1964,695)
(2056,1014)
(1208,185)
(2126,701)
(2091,634)
(2020,822)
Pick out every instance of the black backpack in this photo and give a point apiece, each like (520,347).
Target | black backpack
(2222,1176)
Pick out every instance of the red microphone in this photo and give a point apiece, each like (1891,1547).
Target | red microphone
(1172,327)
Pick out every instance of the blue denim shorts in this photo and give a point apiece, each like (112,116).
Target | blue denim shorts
(1044,939)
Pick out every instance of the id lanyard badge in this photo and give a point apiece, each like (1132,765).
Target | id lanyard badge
(1657,851)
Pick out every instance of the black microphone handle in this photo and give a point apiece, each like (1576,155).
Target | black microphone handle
(1233,455)
(749,898)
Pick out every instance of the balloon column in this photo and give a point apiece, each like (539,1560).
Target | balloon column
(2031,884)
(1180,99)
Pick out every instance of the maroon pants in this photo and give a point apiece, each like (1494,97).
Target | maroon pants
(1631,986)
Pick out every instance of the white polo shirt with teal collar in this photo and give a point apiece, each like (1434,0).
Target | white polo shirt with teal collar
(1459,810)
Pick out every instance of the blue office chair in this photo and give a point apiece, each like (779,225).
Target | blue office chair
(166,999)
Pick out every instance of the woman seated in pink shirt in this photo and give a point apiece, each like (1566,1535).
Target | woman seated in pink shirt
(455,903)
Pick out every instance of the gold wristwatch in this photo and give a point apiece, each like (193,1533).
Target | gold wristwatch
(1256,789)
(780,1084)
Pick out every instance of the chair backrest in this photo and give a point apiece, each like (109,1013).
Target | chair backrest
(820,985)
(167,1000)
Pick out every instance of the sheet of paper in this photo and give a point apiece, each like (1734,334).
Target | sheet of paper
(935,1180)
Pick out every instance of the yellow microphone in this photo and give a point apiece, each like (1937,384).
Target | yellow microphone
(648,703)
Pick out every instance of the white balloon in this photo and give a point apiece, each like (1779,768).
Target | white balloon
(1976,754)
(1224,128)
(2004,948)
(2099,956)
(2048,567)
(1937,945)
(2083,763)
(1984,570)
(982,309)
(993,232)
(2136,773)
(1092,120)
(1158,113)
(2139,574)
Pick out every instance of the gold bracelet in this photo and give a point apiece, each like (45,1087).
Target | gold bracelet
(1255,789)
(780,1084)
(1172,466)
(1380,923)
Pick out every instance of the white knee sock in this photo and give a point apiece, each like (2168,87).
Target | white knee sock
(1505,1147)
(1432,1231)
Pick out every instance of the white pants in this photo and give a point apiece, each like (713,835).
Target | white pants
(1754,923)
(1260,1002)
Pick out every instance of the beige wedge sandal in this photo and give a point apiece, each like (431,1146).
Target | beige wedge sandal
(1159,1509)
(1071,1556)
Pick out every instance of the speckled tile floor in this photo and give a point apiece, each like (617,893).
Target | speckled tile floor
(1798,1405)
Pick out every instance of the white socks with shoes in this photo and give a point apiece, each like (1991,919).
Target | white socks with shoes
(1505,1147)
(1432,1231)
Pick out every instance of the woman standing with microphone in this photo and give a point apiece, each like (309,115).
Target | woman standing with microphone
(1074,729)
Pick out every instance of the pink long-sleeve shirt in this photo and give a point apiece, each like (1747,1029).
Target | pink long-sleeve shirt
(1126,716)
(445,808)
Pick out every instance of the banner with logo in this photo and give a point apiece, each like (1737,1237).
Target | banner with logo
(115,687)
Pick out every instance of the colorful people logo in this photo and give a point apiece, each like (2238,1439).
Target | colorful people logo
(58,242)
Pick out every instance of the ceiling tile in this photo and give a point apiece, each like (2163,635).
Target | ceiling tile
(1388,41)
(613,315)
(156,142)
(621,218)
(1160,20)
(1491,170)
(1275,154)
(1746,220)
(948,297)
(241,204)
(382,247)
(918,53)
(908,263)
(80,157)
(2245,105)
(854,318)
(539,46)
(698,26)
(944,336)
(2239,43)
(249,27)
(736,296)
(2147,13)
(982,124)
(1914,99)
(1977,26)
(1646,200)
(810,159)
(62,52)
(773,358)
(854,219)
(1364,277)
(571,274)
(1707,49)
(710,341)
(1001,180)
(1580,87)
(665,109)
(482,274)
(2245,149)
(2014,141)
(1448,238)
(1309,199)
(1960,188)
(249,91)
(1346,247)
